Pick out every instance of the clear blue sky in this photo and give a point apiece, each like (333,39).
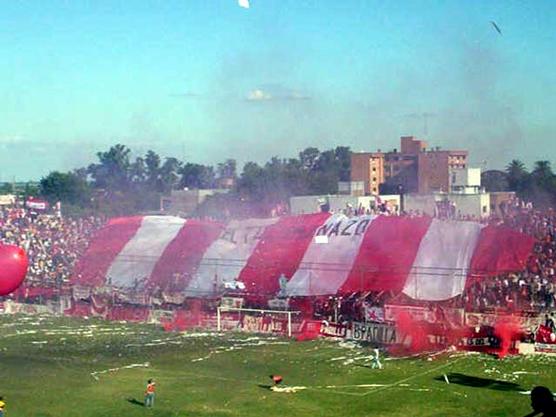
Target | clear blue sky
(206,80)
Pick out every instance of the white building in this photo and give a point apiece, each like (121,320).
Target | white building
(466,197)
(465,180)
(338,203)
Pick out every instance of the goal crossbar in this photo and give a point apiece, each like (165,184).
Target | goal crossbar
(224,309)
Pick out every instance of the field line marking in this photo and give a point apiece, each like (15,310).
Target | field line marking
(133,365)
(401,381)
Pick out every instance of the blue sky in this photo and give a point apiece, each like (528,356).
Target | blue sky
(205,80)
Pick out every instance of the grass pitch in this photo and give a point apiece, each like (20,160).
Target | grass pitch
(89,368)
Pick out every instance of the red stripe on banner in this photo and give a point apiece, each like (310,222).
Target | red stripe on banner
(386,254)
(105,246)
(500,249)
(279,251)
(183,255)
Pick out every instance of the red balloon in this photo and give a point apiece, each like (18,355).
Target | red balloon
(13,267)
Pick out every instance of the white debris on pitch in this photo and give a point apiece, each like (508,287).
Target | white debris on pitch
(287,389)
(242,344)
(356,386)
(133,365)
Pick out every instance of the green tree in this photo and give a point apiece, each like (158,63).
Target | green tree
(112,172)
(169,174)
(152,170)
(517,175)
(66,187)
(196,176)
(543,189)
(138,172)
(308,158)
(252,182)
(295,177)
(343,160)
(6,188)
(31,189)
(542,172)
(227,169)
(494,180)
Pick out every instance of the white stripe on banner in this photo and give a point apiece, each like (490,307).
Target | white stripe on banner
(135,263)
(330,256)
(227,256)
(441,266)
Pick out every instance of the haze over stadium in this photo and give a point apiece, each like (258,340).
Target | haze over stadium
(210,207)
(202,79)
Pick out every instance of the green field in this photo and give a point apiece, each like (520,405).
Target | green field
(74,367)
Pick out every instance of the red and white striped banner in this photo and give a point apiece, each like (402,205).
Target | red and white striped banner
(318,254)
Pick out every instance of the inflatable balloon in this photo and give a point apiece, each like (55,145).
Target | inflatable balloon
(13,267)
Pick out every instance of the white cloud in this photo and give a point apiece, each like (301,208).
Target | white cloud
(243,3)
(258,95)
(275,93)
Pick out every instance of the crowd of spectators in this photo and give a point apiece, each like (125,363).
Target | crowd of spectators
(53,243)
(529,291)
(534,288)
(355,307)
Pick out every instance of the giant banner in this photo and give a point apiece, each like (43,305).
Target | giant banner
(298,256)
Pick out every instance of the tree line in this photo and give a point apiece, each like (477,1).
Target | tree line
(537,185)
(118,184)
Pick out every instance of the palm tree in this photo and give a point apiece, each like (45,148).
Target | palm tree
(517,174)
(544,181)
(542,170)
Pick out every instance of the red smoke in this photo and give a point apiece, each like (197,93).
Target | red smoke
(413,330)
(507,329)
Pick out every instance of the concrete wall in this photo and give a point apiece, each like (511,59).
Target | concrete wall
(355,188)
(185,202)
(499,199)
(338,203)
(476,205)
(423,203)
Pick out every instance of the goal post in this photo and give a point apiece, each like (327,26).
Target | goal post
(253,312)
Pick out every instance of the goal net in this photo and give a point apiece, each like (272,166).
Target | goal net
(256,320)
